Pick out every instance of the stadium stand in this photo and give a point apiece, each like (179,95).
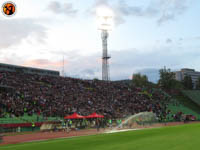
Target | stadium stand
(58,96)
(26,98)
(194,95)
(181,108)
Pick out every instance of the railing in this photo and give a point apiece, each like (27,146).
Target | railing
(27,119)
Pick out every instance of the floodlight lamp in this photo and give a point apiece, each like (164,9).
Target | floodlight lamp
(104,18)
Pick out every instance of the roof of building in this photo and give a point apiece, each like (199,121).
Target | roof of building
(2,64)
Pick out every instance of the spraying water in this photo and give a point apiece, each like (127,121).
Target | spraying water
(130,122)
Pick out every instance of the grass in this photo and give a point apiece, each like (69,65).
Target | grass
(184,137)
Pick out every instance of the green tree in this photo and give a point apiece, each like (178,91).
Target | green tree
(96,79)
(178,85)
(167,78)
(140,80)
(198,84)
(187,82)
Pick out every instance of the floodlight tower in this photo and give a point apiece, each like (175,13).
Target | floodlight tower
(105,57)
(105,26)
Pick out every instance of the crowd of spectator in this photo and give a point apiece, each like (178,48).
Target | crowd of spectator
(60,96)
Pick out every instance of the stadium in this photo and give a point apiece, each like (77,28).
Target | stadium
(88,99)
(30,114)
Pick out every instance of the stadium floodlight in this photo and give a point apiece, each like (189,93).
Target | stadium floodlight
(104,18)
(105,24)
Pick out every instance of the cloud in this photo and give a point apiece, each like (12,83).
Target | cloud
(180,39)
(170,9)
(189,39)
(162,10)
(88,72)
(65,8)
(129,61)
(87,67)
(123,10)
(152,73)
(101,2)
(14,31)
(197,38)
(123,63)
(168,41)
(43,63)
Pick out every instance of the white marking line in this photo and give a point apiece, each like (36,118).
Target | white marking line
(124,130)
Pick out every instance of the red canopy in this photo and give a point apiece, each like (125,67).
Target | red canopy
(95,115)
(74,116)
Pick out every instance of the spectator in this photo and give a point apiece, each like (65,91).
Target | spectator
(60,96)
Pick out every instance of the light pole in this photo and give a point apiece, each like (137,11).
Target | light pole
(105,17)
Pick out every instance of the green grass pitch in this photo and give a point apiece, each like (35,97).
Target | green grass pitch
(184,137)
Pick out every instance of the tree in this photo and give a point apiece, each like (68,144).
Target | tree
(178,85)
(167,78)
(140,80)
(187,82)
(198,84)
(96,79)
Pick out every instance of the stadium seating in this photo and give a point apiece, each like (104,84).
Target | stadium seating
(180,108)
(194,95)
(35,98)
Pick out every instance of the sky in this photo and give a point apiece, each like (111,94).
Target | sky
(147,35)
